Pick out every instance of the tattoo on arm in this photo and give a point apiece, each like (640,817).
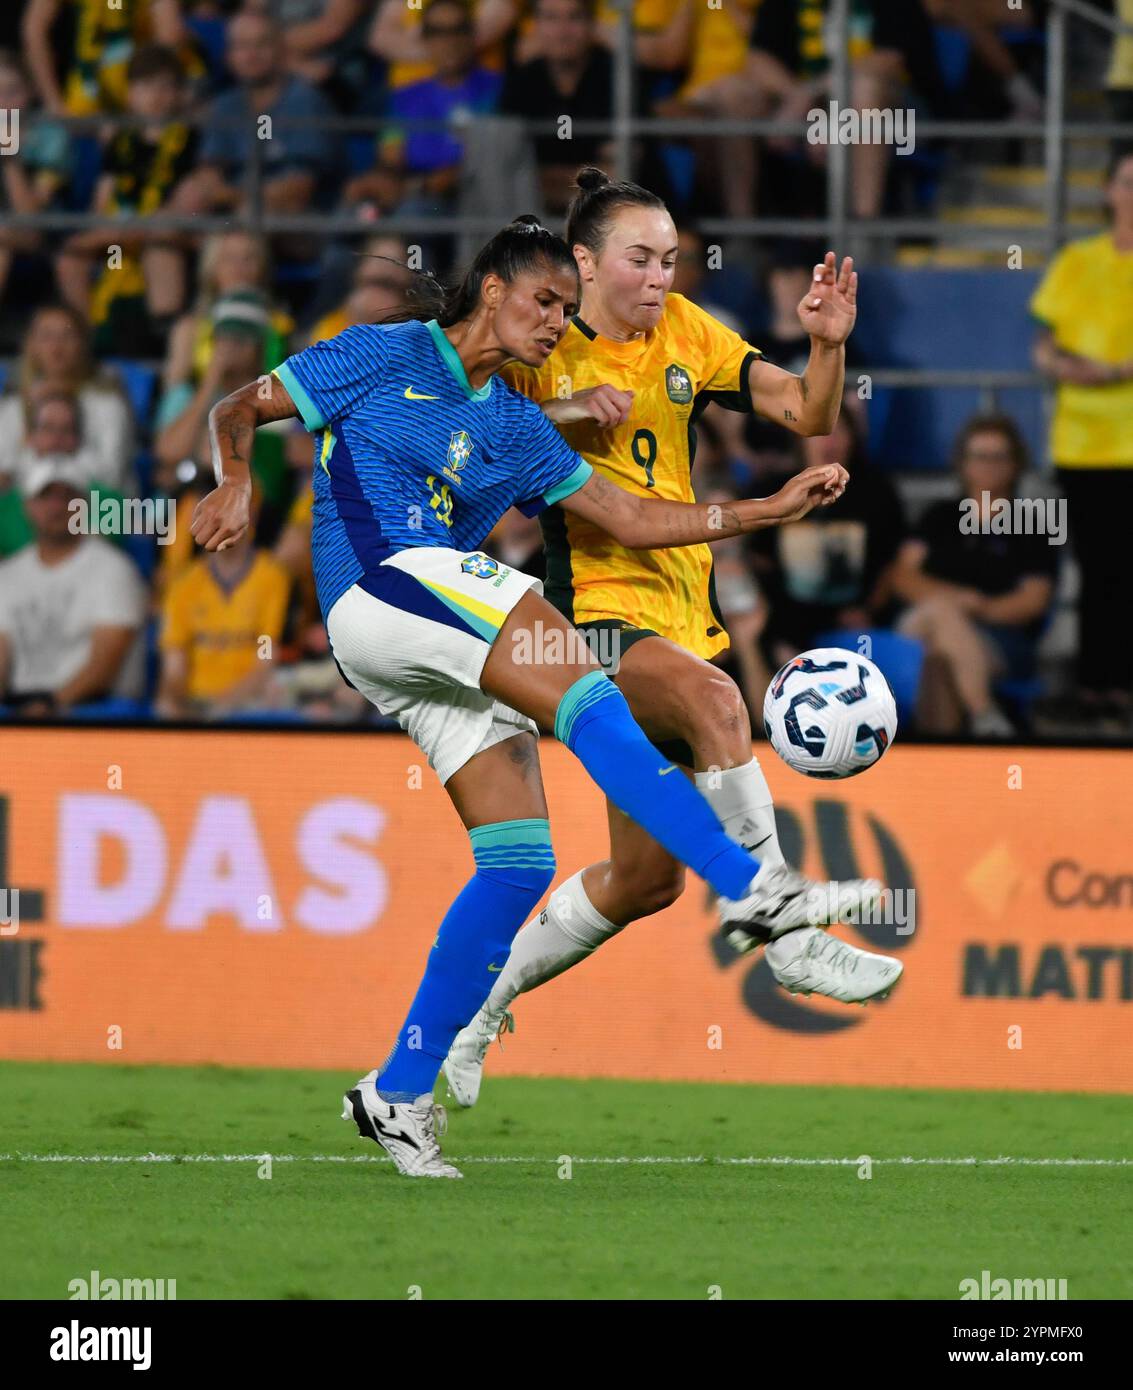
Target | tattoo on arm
(789,415)
(804,387)
(233,420)
(239,434)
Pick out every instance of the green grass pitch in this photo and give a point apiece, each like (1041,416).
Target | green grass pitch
(518,1229)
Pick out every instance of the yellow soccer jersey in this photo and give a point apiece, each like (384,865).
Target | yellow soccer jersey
(686,362)
(221,631)
(1085,300)
(719,41)
(720,44)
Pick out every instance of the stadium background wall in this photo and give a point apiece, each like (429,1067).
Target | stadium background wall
(267,899)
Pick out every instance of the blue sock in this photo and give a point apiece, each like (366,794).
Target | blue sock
(595,723)
(515,866)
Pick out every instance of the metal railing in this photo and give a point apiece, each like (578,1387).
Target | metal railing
(627,128)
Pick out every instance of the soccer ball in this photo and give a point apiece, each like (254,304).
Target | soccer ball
(830,713)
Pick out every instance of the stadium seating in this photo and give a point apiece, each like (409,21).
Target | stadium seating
(945,320)
(139,381)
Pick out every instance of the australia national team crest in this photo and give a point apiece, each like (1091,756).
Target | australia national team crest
(482,566)
(678,384)
(459,450)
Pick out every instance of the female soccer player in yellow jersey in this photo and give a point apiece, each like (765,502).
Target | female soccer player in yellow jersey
(625,386)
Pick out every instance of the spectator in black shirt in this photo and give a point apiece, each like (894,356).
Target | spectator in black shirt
(892,61)
(978,597)
(574,79)
(832,570)
(996,78)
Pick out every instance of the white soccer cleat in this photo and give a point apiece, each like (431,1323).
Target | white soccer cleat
(464,1065)
(811,961)
(781,899)
(408,1132)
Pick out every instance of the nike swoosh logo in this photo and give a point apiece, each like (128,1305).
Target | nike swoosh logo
(757,844)
(494,969)
(664,771)
(411,395)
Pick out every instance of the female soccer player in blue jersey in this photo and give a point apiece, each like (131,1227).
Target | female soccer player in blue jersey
(419,449)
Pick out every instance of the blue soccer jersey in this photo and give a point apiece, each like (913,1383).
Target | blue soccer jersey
(408,454)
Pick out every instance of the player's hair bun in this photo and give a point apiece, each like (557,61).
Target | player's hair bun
(593,208)
(591,179)
(528,222)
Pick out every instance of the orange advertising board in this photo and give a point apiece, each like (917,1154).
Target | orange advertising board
(256,898)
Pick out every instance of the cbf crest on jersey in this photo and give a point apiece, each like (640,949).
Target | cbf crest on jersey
(482,566)
(678,384)
(459,451)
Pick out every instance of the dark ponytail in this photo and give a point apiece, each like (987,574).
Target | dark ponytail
(593,207)
(521,246)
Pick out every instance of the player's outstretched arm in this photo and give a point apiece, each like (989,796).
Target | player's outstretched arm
(809,404)
(221,518)
(641,523)
(604,404)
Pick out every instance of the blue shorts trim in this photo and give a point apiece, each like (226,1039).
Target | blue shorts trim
(401,590)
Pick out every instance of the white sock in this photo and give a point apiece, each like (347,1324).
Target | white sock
(567,930)
(571,928)
(741,799)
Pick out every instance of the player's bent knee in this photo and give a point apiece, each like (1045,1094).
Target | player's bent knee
(645,894)
(665,892)
(713,706)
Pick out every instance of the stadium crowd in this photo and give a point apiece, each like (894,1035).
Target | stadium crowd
(112,618)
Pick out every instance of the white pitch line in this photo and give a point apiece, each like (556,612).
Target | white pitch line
(634,1159)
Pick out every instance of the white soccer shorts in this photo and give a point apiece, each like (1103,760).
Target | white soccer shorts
(413,637)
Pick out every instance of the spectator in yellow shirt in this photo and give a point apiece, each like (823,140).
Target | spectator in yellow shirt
(705,47)
(222,622)
(1085,345)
